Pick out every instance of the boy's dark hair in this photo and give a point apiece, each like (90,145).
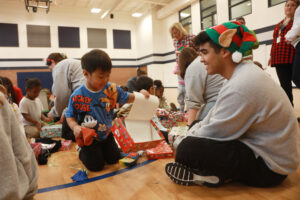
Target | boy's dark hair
(202,38)
(158,84)
(56,57)
(144,82)
(32,83)
(96,59)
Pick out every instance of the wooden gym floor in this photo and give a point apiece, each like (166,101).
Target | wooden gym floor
(146,181)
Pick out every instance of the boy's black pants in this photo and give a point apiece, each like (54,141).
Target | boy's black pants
(94,156)
(229,160)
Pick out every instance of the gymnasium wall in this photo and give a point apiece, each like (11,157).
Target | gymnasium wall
(151,44)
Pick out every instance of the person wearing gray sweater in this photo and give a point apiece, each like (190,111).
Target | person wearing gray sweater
(201,89)
(67,76)
(251,135)
(19,171)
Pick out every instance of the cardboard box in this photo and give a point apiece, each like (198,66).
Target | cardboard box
(162,150)
(138,131)
(51,131)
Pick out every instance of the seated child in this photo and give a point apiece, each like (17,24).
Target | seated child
(159,92)
(91,106)
(31,108)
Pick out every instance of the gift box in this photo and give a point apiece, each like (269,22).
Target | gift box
(162,150)
(162,112)
(179,116)
(168,122)
(51,131)
(65,145)
(36,147)
(138,131)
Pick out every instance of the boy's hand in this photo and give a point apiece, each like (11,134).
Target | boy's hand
(145,93)
(77,131)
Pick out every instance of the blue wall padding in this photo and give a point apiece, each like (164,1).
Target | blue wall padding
(45,77)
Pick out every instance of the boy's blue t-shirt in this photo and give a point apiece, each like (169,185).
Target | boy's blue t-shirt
(95,109)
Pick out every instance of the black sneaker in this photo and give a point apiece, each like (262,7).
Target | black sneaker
(184,175)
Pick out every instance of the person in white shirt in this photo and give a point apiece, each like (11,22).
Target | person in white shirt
(31,108)
(251,135)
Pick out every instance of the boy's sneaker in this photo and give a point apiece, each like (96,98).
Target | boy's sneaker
(184,175)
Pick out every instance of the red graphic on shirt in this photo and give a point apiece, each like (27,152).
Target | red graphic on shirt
(82,103)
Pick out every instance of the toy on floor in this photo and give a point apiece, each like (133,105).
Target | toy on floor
(130,159)
(81,175)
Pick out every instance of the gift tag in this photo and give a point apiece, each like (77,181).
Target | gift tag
(278,39)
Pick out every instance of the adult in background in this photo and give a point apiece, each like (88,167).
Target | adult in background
(67,76)
(283,53)
(293,37)
(251,135)
(131,83)
(201,89)
(181,39)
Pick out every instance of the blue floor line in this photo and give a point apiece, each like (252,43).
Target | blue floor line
(73,184)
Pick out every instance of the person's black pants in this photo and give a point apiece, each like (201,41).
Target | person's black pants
(296,67)
(284,73)
(94,156)
(229,160)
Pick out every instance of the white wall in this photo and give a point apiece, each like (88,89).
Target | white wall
(16,13)
(149,35)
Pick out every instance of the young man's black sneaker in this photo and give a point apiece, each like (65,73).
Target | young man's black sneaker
(184,175)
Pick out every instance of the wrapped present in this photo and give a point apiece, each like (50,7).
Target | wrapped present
(36,147)
(51,131)
(179,116)
(138,131)
(177,131)
(162,150)
(65,145)
(168,122)
(162,112)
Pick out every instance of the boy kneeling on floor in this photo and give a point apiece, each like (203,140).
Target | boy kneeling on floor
(251,135)
(91,106)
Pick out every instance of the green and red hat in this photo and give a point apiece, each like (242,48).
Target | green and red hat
(233,36)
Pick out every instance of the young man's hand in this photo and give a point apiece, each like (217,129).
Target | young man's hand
(145,93)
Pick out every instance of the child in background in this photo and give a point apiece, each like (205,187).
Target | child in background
(159,92)
(14,93)
(14,106)
(145,83)
(31,108)
(91,106)
(142,83)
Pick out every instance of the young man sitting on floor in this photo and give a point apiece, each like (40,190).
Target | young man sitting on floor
(251,135)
